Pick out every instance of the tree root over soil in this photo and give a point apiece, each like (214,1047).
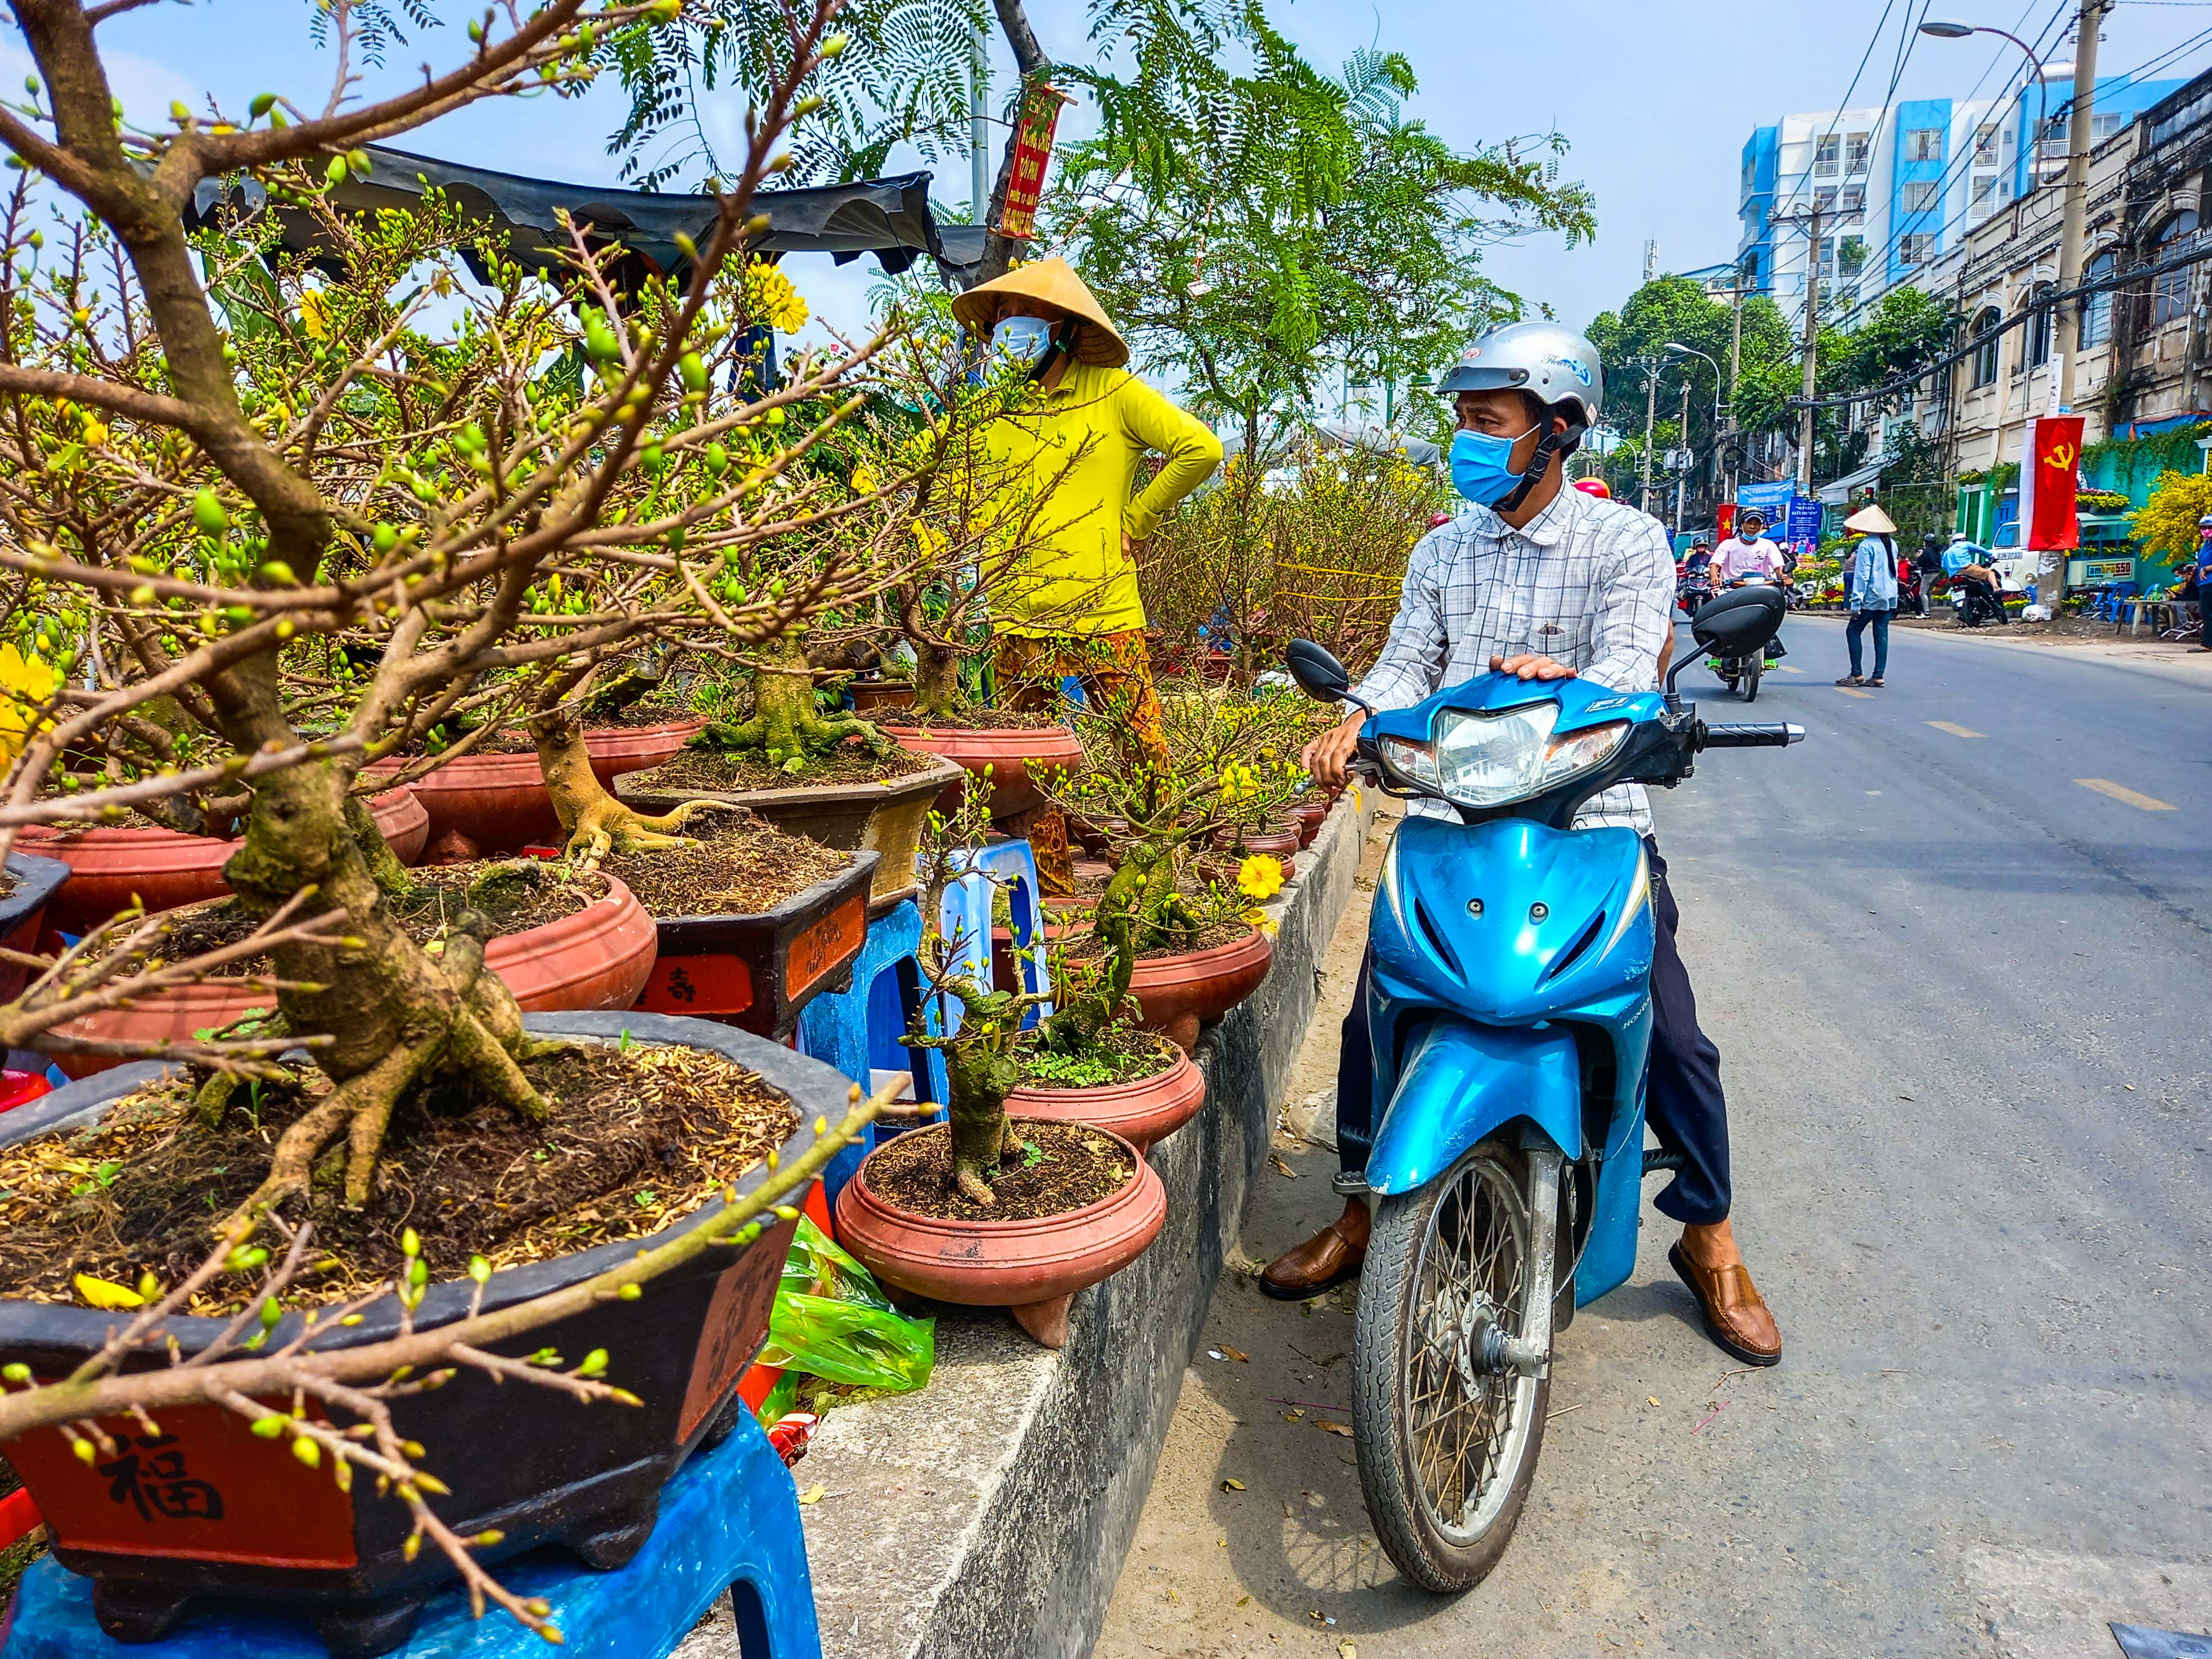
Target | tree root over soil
(593,824)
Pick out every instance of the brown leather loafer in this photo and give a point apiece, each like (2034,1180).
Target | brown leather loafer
(1326,1259)
(1736,1316)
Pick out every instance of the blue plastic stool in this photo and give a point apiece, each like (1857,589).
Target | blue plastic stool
(1012,864)
(964,922)
(729,1521)
(858,1031)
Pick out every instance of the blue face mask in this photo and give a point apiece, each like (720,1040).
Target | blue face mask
(1021,339)
(1479,466)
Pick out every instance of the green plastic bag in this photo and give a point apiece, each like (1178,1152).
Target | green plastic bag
(832,1320)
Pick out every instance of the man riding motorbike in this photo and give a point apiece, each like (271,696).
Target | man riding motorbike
(1546,584)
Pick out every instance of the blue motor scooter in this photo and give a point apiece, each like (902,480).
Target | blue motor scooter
(1510,1015)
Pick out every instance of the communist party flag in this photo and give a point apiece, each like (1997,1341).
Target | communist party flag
(2049,473)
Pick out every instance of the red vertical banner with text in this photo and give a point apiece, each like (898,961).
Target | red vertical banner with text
(1032,152)
(2049,475)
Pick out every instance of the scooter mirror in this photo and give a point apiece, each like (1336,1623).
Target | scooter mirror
(1740,622)
(1319,675)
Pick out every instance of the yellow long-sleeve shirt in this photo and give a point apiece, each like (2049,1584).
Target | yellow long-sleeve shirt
(1083,443)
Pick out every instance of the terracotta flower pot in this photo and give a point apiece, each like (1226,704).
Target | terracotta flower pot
(1142,1113)
(164,869)
(599,957)
(1176,994)
(1030,1267)
(758,970)
(1008,752)
(1310,819)
(870,696)
(240,1517)
(885,817)
(500,803)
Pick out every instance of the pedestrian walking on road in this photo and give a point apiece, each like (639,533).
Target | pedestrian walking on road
(1872,593)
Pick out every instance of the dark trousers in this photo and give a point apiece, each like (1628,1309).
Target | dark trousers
(1858,626)
(1683,1102)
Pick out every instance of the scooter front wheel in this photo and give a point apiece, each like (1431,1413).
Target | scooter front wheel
(1446,1426)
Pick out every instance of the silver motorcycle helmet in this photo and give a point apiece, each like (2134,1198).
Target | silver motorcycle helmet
(1553,364)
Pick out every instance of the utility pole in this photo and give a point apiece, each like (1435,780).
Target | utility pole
(979,125)
(2050,584)
(1735,368)
(1682,466)
(1650,409)
(1812,345)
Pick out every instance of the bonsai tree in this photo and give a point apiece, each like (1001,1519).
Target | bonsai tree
(1229,770)
(266,527)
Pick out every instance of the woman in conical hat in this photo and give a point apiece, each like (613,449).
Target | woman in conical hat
(1872,593)
(1070,607)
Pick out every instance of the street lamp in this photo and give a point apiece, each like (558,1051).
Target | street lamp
(1681,350)
(1944,28)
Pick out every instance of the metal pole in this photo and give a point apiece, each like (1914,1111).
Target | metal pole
(2050,577)
(1812,346)
(1735,368)
(1650,409)
(1682,471)
(979,126)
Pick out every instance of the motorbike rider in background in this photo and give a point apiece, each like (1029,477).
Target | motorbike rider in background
(1548,584)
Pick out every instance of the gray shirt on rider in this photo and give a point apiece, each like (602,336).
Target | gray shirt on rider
(1586,582)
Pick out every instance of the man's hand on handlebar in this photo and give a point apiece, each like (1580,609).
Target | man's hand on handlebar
(1532,668)
(1325,757)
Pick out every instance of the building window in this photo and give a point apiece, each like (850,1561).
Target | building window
(1917,249)
(1986,351)
(2102,127)
(1985,198)
(1827,155)
(1824,200)
(1924,145)
(2051,144)
(1854,203)
(1751,268)
(1917,195)
(1824,262)
(2039,326)
(2097,308)
(1851,256)
(2169,295)
(1985,145)
(1855,149)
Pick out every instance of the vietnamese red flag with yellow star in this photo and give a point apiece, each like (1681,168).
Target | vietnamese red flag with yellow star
(2049,477)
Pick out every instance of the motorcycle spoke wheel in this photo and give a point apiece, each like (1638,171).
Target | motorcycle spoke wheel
(1447,1440)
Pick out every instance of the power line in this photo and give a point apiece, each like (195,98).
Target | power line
(2049,302)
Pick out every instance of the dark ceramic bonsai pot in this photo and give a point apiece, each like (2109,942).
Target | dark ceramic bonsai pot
(23,909)
(208,1509)
(758,971)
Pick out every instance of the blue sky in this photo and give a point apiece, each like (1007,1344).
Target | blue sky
(1657,97)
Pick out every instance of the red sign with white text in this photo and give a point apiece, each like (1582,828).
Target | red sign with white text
(1032,154)
(2049,475)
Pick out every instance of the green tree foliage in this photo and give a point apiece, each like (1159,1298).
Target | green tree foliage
(1255,224)
(902,79)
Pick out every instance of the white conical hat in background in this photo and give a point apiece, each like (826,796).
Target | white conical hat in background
(1870,520)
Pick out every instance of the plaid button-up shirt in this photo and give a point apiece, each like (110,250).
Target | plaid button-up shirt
(1586,582)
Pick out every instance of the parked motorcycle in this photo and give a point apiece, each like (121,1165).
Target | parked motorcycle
(1973,608)
(1510,1008)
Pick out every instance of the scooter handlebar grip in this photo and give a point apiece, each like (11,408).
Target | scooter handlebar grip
(1753,737)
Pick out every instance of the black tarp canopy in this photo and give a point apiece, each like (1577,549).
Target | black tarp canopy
(888,217)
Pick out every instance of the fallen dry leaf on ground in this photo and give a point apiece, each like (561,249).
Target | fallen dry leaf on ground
(1228,1353)
(1281,1168)
(1345,1650)
(813,1493)
(1652,1398)
(1324,1424)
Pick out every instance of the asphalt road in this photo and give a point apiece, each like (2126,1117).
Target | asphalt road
(1954,949)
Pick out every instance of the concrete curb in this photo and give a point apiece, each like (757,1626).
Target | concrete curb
(987,1516)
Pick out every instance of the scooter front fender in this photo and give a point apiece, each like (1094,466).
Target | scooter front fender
(1462,1082)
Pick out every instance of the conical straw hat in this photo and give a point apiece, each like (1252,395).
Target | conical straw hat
(1056,282)
(1870,520)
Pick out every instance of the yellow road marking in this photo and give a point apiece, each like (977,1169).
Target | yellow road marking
(1786,669)
(2121,792)
(1955,729)
(1853,691)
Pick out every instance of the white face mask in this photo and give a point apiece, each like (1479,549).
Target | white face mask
(1747,535)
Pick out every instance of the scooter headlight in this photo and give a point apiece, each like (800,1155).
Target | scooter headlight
(1489,759)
